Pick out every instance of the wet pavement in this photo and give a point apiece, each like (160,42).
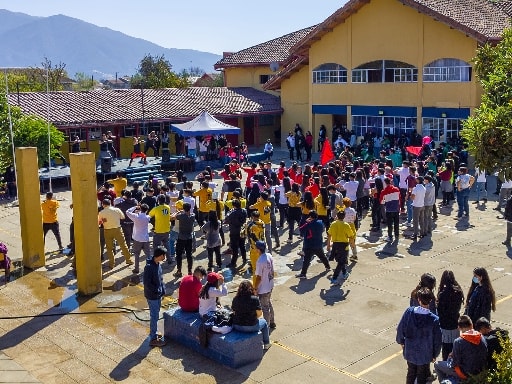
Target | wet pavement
(325,334)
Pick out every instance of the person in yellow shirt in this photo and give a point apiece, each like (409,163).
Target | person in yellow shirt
(120,183)
(162,215)
(322,206)
(263,206)
(293,209)
(204,195)
(255,232)
(341,234)
(50,222)
(238,196)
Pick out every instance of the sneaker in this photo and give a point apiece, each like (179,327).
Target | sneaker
(484,200)
(334,281)
(156,342)
(272,326)
(129,262)
(353,258)
(135,271)
(300,253)
(267,346)
(300,276)
(389,239)
(475,202)
(345,276)
(289,241)
(178,274)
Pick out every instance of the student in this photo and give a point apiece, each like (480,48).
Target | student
(140,235)
(185,237)
(210,294)
(481,297)
(341,234)
(190,286)
(154,290)
(255,232)
(213,241)
(265,283)
(50,220)
(492,338)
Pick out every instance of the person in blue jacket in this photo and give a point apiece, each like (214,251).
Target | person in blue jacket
(154,290)
(419,334)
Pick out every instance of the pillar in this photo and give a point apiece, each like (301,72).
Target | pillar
(31,218)
(85,218)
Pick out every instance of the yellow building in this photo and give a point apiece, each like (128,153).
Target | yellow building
(384,67)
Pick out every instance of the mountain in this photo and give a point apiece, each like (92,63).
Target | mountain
(84,47)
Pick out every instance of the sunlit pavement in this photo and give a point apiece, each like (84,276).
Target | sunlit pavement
(325,334)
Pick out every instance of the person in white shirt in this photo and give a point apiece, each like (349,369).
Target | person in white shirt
(191,146)
(290,142)
(464,182)
(350,187)
(481,182)
(340,140)
(505,192)
(265,282)
(418,206)
(211,292)
(403,173)
(140,235)
(268,149)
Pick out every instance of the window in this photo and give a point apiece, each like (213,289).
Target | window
(80,132)
(447,70)
(94,133)
(383,125)
(265,78)
(329,73)
(441,129)
(266,120)
(129,130)
(385,71)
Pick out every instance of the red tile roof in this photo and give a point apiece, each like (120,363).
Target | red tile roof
(125,105)
(276,50)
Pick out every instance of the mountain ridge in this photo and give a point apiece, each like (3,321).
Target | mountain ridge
(84,47)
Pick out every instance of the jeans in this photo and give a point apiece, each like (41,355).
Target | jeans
(139,246)
(463,202)
(409,210)
(237,244)
(266,307)
(418,373)
(445,371)
(504,195)
(127,229)
(283,213)
(173,236)
(261,325)
(268,237)
(154,314)
(480,186)
(427,219)
(340,253)
(161,239)
(218,258)
(184,246)
(418,220)
(393,221)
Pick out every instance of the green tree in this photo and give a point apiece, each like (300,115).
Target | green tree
(28,131)
(156,72)
(489,131)
(84,82)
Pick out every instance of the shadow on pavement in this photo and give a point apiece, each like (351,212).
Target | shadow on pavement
(122,370)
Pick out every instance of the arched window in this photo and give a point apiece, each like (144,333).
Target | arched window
(329,73)
(446,70)
(385,71)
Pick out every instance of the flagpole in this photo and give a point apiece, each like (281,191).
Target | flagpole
(49,142)
(10,124)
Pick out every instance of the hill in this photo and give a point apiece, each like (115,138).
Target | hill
(84,47)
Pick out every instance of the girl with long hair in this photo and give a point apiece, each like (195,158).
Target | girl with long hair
(213,240)
(209,295)
(247,313)
(481,297)
(282,203)
(427,280)
(294,197)
(322,207)
(449,301)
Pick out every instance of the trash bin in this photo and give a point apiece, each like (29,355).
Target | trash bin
(106,164)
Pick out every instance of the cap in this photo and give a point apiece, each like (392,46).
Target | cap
(213,277)
(260,245)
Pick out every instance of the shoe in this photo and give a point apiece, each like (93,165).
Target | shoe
(389,239)
(209,269)
(156,342)
(353,258)
(289,241)
(507,243)
(135,271)
(272,326)
(276,247)
(345,276)
(228,251)
(178,274)
(267,346)
(300,253)
(484,200)
(497,209)
(129,262)
(413,238)
(190,272)
(334,281)
(300,276)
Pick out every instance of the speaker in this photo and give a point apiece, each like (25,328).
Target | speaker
(166,155)
(106,164)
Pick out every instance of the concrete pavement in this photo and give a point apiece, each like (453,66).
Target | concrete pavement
(325,334)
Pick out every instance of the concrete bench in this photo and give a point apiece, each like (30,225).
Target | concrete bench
(234,349)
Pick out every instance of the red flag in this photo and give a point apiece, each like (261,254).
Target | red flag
(413,150)
(327,154)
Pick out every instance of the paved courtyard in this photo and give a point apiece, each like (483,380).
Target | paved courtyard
(325,334)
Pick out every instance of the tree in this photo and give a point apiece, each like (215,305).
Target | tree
(33,79)
(28,131)
(83,82)
(156,73)
(489,131)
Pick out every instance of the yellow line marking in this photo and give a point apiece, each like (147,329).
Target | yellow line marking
(504,299)
(384,361)
(318,361)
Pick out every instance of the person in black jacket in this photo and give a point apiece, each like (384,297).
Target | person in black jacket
(492,337)
(449,301)
(236,219)
(480,298)
(154,290)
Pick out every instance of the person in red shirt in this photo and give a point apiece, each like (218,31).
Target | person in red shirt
(251,171)
(314,187)
(188,295)
(280,171)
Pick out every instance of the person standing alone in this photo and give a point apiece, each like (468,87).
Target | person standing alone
(50,222)
(265,283)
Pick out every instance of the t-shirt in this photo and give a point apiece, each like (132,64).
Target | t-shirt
(293,198)
(351,189)
(403,173)
(186,226)
(265,269)
(419,195)
(119,184)
(320,208)
(244,308)
(340,232)
(204,195)
(210,304)
(188,295)
(263,207)
(162,215)
(49,209)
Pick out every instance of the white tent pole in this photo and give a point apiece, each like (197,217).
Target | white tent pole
(10,124)
(48,120)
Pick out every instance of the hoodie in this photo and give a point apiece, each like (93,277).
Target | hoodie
(420,334)
(469,354)
(154,287)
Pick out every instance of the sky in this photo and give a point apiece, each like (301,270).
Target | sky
(203,25)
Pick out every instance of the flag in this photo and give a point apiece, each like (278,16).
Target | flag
(414,150)
(327,154)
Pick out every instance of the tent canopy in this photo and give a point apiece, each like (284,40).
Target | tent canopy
(204,124)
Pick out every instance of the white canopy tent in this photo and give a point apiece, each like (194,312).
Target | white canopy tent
(204,124)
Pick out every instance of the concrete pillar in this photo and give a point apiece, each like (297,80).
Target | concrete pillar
(85,218)
(31,218)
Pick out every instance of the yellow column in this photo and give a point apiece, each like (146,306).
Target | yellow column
(85,217)
(31,218)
